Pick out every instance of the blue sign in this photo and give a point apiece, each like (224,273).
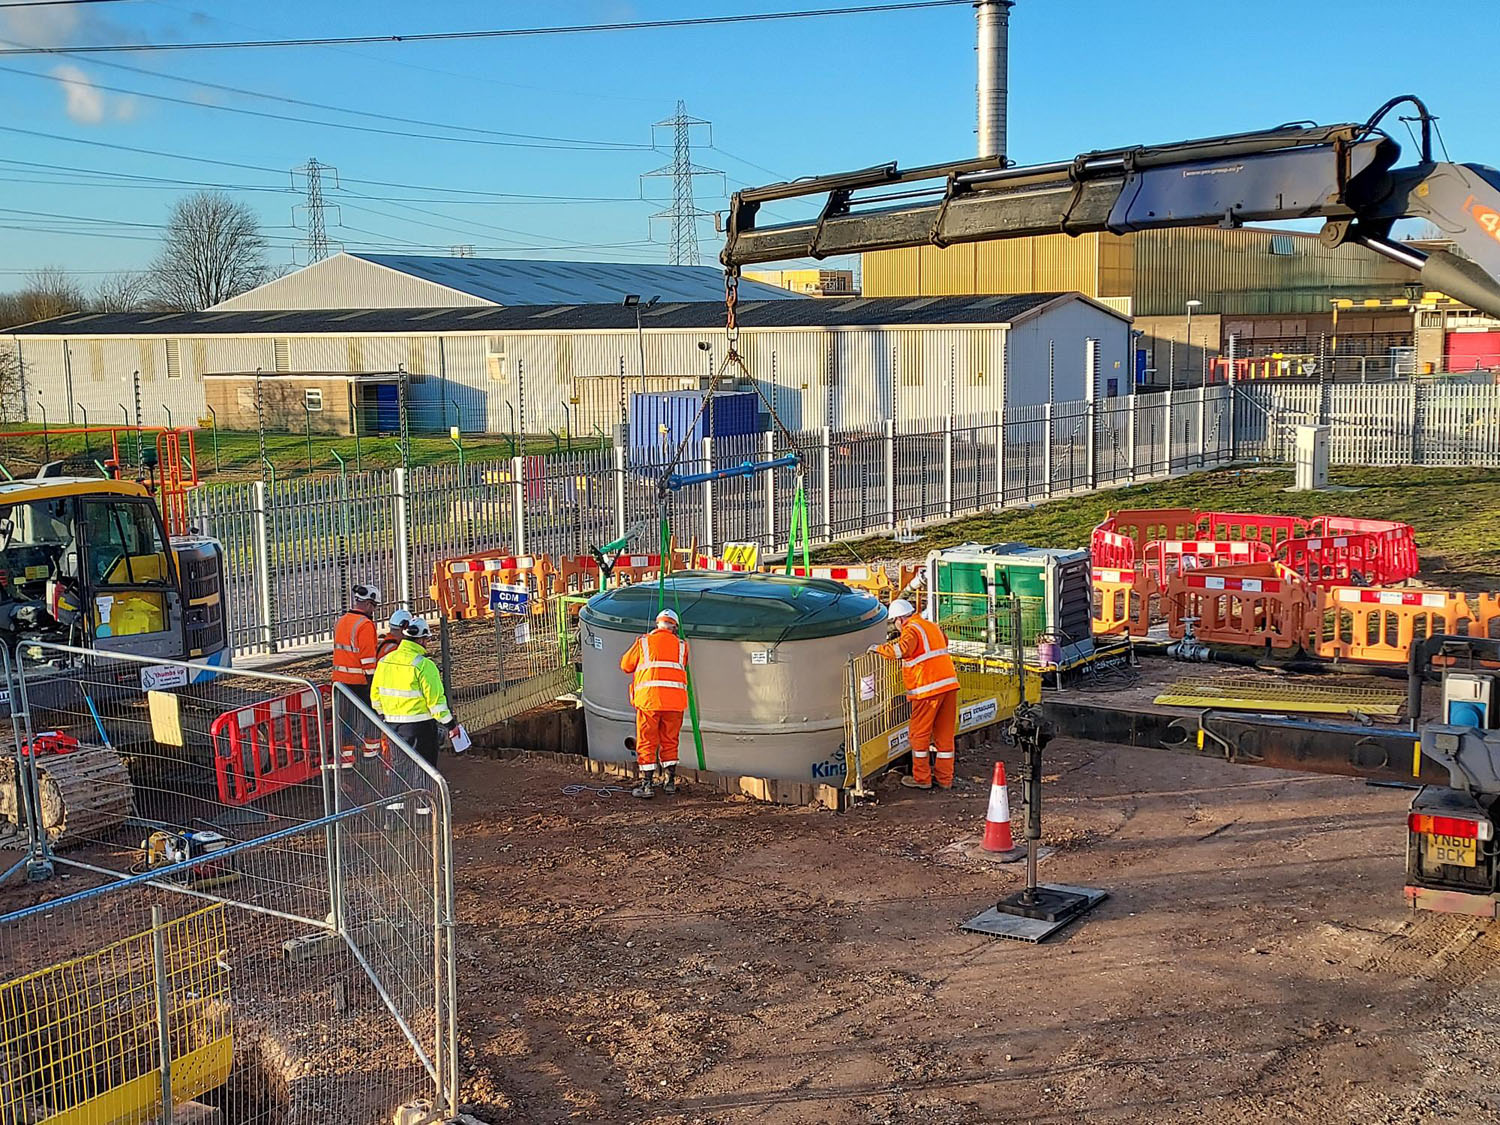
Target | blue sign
(509,599)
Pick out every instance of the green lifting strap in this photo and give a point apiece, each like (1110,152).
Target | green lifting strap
(661,604)
(799,526)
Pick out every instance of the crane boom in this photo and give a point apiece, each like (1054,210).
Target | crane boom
(1343,174)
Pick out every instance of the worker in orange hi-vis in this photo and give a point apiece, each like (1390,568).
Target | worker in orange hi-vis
(931,684)
(659,693)
(355,649)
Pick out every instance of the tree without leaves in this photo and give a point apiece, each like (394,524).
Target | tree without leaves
(213,250)
(122,292)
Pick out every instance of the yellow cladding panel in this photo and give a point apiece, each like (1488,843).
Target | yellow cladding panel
(948,272)
(893,273)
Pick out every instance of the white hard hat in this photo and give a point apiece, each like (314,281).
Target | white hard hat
(400,618)
(902,608)
(366,592)
(667,617)
(417,630)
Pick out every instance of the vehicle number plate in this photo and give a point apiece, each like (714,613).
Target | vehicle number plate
(1458,851)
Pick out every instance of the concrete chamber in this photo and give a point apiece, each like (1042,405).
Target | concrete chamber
(768,656)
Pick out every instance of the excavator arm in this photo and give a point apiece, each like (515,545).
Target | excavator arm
(1346,175)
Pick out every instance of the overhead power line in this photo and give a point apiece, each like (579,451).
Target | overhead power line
(54,3)
(284,99)
(494,33)
(344,126)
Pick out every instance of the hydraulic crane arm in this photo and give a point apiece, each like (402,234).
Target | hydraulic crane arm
(1343,174)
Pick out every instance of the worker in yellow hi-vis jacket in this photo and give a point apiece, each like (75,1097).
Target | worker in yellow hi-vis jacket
(408,693)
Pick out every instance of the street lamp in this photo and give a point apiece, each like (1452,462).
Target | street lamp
(633,301)
(1191,305)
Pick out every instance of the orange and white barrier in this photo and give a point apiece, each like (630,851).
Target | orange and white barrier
(1252,605)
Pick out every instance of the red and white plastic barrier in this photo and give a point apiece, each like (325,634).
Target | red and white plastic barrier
(265,747)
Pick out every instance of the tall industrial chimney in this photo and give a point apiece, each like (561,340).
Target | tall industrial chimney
(994,35)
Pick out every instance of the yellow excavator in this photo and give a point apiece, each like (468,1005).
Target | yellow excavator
(110,563)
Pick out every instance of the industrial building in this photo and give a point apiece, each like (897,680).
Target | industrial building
(845,364)
(409,281)
(1276,290)
(809,282)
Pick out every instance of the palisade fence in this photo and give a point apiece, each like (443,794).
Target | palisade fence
(1396,423)
(292,548)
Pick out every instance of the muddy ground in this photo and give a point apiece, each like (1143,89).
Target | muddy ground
(703,959)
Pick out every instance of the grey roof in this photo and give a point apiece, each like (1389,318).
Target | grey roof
(508,281)
(701,315)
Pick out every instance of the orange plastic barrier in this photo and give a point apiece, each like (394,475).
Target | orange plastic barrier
(1121,602)
(265,747)
(1357,623)
(1167,557)
(1251,526)
(1393,557)
(1253,605)
(1143,525)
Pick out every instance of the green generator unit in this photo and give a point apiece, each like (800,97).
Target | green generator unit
(970,589)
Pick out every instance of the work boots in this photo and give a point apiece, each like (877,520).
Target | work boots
(644,789)
(669,780)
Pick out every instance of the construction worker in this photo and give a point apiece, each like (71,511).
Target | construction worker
(354,642)
(931,684)
(408,694)
(392,638)
(659,693)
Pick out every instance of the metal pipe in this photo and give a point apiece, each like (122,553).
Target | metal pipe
(163,1013)
(993,19)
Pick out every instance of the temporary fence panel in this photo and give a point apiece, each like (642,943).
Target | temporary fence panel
(114,1034)
(877,714)
(510,664)
(333,893)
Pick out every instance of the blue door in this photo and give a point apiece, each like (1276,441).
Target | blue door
(387,408)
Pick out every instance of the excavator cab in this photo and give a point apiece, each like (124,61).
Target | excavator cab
(88,563)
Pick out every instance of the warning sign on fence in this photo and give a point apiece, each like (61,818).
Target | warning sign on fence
(746,555)
(509,599)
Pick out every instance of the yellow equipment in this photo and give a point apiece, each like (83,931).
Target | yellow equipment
(88,562)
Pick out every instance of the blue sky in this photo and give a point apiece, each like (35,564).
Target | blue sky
(785,100)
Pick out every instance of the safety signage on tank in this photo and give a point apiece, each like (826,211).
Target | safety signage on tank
(765,656)
(509,599)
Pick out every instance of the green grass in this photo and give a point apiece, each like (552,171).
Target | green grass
(1454,513)
(239,453)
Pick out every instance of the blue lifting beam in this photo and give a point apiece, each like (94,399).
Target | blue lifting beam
(748,469)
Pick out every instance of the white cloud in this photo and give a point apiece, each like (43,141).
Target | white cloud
(85,104)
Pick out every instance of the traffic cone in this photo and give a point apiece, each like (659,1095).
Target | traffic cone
(997,819)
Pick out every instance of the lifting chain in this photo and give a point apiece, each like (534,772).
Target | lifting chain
(731,302)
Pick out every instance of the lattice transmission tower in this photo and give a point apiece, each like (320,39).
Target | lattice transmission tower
(314,209)
(684,214)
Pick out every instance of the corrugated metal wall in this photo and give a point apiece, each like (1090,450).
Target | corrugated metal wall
(846,378)
(1234,271)
(1231,271)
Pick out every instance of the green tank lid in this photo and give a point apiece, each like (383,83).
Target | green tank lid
(738,607)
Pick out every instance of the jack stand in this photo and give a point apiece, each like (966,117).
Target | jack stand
(1037,911)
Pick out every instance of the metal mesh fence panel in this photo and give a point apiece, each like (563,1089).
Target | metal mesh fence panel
(326,533)
(456,511)
(919,460)
(226,512)
(1025,454)
(266,935)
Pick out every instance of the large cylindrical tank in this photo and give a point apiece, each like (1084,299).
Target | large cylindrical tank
(768,656)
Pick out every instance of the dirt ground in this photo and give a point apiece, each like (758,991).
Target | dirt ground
(703,959)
